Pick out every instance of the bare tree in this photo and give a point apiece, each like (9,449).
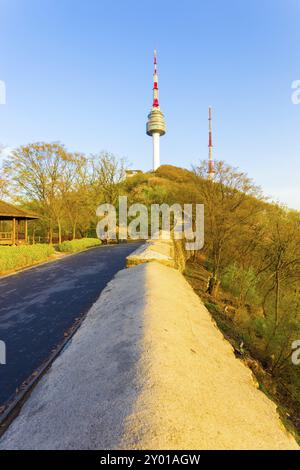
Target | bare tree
(230,204)
(108,174)
(38,172)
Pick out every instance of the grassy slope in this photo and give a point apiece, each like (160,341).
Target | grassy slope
(288,404)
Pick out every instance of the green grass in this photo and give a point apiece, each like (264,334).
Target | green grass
(74,246)
(16,257)
(13,258)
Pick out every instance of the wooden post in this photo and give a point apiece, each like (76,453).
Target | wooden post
(14,231)
(26,231)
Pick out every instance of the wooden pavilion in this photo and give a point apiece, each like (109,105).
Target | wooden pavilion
(14,224)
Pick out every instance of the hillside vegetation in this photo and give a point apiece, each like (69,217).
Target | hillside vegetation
(251,256)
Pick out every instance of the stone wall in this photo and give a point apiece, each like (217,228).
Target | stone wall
(170,252)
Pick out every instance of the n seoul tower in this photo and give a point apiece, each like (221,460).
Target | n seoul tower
(156,125)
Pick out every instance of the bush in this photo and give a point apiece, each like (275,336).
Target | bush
(74,246)
(241,283)
(16,257)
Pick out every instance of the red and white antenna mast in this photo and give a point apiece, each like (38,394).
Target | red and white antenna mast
(156,126)
(155,84)
(210,170)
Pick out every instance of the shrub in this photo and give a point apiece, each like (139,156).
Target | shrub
(241,283)
(16,257)
(74,246)
(213,308)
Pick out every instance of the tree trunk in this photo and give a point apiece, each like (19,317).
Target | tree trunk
(213,286)
(277,298)
(50,233)
(74,231)
(215,289)
(59,231)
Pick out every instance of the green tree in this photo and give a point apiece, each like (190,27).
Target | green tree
(38,173)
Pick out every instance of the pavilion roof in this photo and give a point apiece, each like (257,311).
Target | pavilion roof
(9,210)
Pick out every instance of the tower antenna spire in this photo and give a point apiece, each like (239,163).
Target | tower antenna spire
(156,125)
(155,83)
(210,170)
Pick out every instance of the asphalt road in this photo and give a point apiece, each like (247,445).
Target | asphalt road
(37,306)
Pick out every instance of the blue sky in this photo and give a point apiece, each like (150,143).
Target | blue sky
(80,72)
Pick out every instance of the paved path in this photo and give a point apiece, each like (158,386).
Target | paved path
(147,369)
(38,305)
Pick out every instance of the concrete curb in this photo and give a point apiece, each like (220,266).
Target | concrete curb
(161,251)
(165,250)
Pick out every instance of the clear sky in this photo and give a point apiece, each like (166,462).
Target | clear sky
(80,72)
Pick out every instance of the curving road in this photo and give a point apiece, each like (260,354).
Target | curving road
(38,305)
